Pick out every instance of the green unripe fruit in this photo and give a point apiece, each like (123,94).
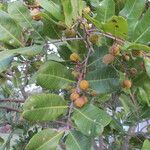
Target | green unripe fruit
(70,33)
(94,38)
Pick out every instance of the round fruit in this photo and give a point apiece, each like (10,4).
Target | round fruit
(84,85)
(80,102)
(133,71)
(126,57)
(108,59)
(86,25)
(35,13)
(85,99)
(86,10)
(94,93)
(61,25)
(70,33)
(74,57)
(75,73)
(74,96)
(115,50)
(127,84)
(136,53)
(94,38)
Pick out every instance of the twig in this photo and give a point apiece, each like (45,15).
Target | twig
(69,115)
(126,143)
(10,109)
(107,35)
(101,143)
(67,39)
(11,100)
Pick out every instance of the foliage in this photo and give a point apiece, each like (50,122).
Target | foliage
(100,57)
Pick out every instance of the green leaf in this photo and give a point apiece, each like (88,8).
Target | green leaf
(64,52)
(102,78)
(19,12)
(147,66)
(50,28)
(55,57)
(44,107)
(91,120)
(10,32)
(117,26)
(29,51)
(1,141)
(77,141)
(144,96)
(143,91)
(5,60)
(135,46)
(125,101)
(72,9)
(6,56)
(97,24)
(119,5)
(132,12)
(68,12)
(53,8)
(142,30)
(146,145)
(77,7)
(53,75)
(47,139)
(105,10)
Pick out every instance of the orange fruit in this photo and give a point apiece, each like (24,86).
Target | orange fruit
(81,101)
(84,85)
(127,84)
(74,96)
(108,59)
(115,50)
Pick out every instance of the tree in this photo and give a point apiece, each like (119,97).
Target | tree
(95,87)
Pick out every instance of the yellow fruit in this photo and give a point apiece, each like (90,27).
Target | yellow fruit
(35,13)
(94,38)
(126,57)
(127,84)
(84,85)
(136,53)
(81,101)
(115,50)
(108,59)
(86,10)
(74,57)
(74,96)
(86,25)
(70,33)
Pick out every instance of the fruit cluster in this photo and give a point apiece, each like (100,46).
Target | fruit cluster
(113,51)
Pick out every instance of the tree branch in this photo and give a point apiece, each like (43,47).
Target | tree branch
(108,35)
(10,109)
(126,144)
(11,100)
